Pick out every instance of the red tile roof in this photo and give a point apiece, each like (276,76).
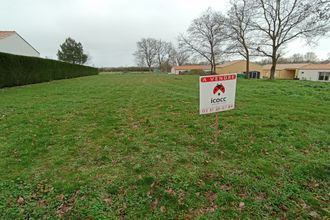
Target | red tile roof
(316,67)
(287,66)
(229,63)
(193,67)
(4,34)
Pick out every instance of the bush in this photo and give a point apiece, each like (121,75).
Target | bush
(241,76)
(21,70)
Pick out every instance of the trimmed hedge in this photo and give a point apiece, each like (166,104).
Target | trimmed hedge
(22,70)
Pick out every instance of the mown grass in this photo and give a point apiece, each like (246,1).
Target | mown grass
(133,146)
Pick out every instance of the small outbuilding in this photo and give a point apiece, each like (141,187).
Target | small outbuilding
(11,42)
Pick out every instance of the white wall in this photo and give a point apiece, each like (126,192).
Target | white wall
(312,75)
(14,44)
(174,71)
(177,71)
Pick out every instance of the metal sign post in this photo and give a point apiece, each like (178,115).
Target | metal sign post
(217,93)
(216,132)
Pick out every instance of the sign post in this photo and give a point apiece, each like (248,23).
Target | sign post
(216,134)
(217,93)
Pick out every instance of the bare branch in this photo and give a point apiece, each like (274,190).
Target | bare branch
(280,21)
(205,37)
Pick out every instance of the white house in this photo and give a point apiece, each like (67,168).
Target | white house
(315,72)
(11,42)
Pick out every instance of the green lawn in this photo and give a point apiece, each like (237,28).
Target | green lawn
(133,146)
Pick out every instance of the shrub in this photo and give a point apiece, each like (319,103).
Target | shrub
(22,70)
(241,76)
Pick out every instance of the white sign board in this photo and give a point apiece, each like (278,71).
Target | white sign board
(217,93)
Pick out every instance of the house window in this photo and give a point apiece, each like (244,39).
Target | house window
(324,76)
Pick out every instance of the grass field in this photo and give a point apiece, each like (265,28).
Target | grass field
(133,146)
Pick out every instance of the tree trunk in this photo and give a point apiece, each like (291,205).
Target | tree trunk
(213,66)
(247,67)
(150,69)
(272,69)
(160,64)
(212,69)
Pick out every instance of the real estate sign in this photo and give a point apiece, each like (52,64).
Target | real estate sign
(217,93)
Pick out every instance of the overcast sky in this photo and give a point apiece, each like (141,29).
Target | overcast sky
(109,29)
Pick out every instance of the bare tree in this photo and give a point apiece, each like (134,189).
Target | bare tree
(310,57)
(241,32)
(280,21)
(297,58)
(180,57)
(169,50)
(265,61)
(146,53)
(205,37)
(164,53)
(283,60)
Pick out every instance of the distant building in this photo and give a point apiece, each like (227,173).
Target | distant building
(239,67)
(302,71)
(315,72)
(11,42)
(284,71)
(188,68)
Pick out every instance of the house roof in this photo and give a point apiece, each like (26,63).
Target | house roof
(4,34)
(193,67)
(205,67)
(316,67)
(229,63)
(288,66)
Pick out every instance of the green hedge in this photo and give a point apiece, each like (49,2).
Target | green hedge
(21,70)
